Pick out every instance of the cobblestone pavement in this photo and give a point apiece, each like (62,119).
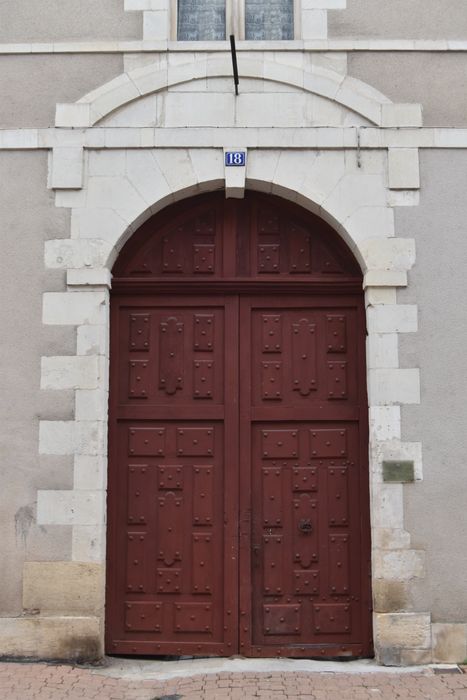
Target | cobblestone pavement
(40,681)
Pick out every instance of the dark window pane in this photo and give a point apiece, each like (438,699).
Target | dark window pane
(269,19)
(201,20)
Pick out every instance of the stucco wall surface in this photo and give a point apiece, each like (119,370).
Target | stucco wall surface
(401,19)
(30,86)
(437,80)
(60,20)
(436,508)
(28,216)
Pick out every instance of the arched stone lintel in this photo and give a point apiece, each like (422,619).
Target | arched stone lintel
(352,201)
(346,91)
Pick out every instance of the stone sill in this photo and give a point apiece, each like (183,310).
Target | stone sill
(317,45)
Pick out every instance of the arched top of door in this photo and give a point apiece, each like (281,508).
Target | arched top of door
(211,244)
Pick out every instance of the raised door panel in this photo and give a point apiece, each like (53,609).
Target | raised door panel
(304,454)
(171,356)
(303,357)
(171,541)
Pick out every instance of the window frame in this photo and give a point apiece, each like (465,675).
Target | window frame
(234,21)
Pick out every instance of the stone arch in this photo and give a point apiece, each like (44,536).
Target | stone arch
(116,201)
(352,202)
(348,92)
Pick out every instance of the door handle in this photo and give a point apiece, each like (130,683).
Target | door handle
(305,526)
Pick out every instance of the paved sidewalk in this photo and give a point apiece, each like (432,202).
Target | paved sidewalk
(28,681)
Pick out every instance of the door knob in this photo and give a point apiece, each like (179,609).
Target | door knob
(305,526)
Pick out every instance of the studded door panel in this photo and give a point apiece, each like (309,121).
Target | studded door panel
(172,578)
(309,561)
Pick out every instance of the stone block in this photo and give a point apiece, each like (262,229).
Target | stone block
(449,643)
(178,170)
(404,169)
(208,166)
(91,405)
(392,318)
(390,538)
(77,639)
(403,630)
(110,96)
(314,24)
(385,278)
(393,386)
(156,25)
(92,340)
(388,656)
(90,437)
(399,565)
(389,254)
(370,223)
(150,78)
(72,115)
(88,543)
(404,198)
(266,110)
(388,506)
(63,588)
(70,507)
(99,224)
(389,596)
(111,163)
(85,277)
(74,308)
(67,168)
(90,472)
(353,191)
(375,295)
(65,253)
(147,178)
(382,350)
(322,177)
(235,176)
(385,423)
(400,115)
(118,194)
(416,657)
(70,372)
(359,98)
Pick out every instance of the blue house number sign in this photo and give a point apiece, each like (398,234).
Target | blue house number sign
(235,158)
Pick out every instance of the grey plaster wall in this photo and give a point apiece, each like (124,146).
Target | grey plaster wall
(30,86)
(436,508)
(27,217)
(437,80)
(62,20)
(400,19)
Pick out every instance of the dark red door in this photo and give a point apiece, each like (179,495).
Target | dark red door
(174,495)
(302,479)
(238,484)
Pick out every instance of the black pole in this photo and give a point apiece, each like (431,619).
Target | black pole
(234,62)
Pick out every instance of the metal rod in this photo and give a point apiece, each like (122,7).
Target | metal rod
(233,50)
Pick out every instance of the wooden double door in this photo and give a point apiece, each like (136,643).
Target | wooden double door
(238,485)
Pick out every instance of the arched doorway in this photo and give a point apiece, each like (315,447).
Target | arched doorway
(238,505)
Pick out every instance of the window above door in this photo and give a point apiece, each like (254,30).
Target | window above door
(255,20)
